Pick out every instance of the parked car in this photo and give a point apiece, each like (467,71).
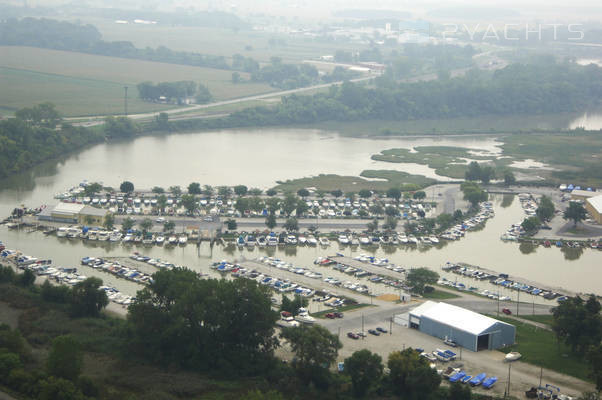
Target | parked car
(361,334)
(374,332)
(352,335)
(330,315)
(160,220)
(382,330)
(506,311)
(338,314)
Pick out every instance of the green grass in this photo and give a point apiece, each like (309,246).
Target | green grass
(440,295)
(541,318)
(343,309)
(385,180)
(540,347)
(84,84)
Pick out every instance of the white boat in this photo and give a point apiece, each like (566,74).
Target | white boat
(324,241)
(183,240)
(365,240)
(343,239)
(302,239)
(73,233)
(172,240)
(434,239)
(103,236)
(272,240)
(115,236)
(62,231)
(159,240)
(287,320)
(261,241)
(291,239)
(412,239)
(311,240)
(513,356)
(304,317)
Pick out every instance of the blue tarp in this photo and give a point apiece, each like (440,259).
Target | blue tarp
(457,376)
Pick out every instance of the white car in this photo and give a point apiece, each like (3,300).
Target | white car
(160,220)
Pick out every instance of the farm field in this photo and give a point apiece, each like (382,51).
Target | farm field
(223,42)
(83,84)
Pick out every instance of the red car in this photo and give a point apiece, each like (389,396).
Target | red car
(353,336)
(506,311)
(330,315)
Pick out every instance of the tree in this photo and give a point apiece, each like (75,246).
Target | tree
(487,174)
(509,178)
(390,223)
(91,189)
(372,226)
(575,212)
(109,222)
(255,192)
(162,122)
(53,388)
(271,192)
(43,115)
(411,375)
(459,391)
(185,321)
(577,323)
(175,190)
(26,279)
(190,203)
(531,224)
(545,210)
(127,224)
(594,357)
(235,77)
(473,173)
(419,195)
(224,191)
(376,209)
(337,193)
(293,305)
(289,204)
(391,211)
(365,369)
(126,187)
(394,193)
(208,190)
(241,205)
(365,193)
(87,300)
(162,202)
(240,190)
(301,208)
(473,193)
(303,192)
(291,224)
(458,215)
(146,224)
(194,188)
(418,278)
(314,347)
(270,221)
(444,221)
(169,226)
(231,224)
(65,359)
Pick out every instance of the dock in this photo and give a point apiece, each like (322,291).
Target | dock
(373,269)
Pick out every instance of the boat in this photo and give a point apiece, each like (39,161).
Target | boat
(251,241)
(365,240)
(304,317)
(477,380)
(291,239)
(489,382)
(159,240)
(324,241)
(302,239)
(102,236)
(73,233)
(182,240)
(311,240)
(115,236)
(434,239)
(261,241)
(457,376)
(172,240)
(287,320)
(465,378)
(62,231)
(343,239)
(412,239)
(512,356)
(241,242)
(272,240)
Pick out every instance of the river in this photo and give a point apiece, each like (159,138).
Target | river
(258,159)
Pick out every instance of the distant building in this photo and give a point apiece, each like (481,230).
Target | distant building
(471,330)
(593,205)
(582,195)
(73,213)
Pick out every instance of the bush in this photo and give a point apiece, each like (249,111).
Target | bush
(8,362)
(65,359)
(11,341)
(21,381)
(87,386)
(6,274)
(53,388)
(26,279)
(429,289)
(57,294)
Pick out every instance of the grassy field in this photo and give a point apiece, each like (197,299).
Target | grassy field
(540,347)
(440,295)
(84,84)
(541,318)
(383,180)
(224,42)
(348,308)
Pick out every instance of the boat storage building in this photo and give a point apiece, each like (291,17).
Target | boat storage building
(73,213)
(468,329)
(593,205)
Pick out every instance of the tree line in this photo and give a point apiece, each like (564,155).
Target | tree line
(174,91)
(516,89)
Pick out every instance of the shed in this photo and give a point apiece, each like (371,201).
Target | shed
(468,329)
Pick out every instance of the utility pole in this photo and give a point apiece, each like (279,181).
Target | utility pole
(540,376)
(517,301)
(363,327)
(498,303)
(509,367)
(125,101)
(391,326)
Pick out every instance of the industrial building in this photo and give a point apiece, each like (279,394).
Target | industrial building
(73,213)
(593,205)
(583,195)
(468,329)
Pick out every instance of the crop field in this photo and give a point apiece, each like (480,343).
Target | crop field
(224,42)
(83,84)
